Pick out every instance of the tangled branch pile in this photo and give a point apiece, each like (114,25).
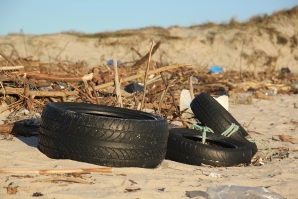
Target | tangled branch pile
(31,84)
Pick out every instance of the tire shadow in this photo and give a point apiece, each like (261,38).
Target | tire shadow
(25,130)
(30,141)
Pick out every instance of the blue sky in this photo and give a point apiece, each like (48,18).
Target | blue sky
(90,16)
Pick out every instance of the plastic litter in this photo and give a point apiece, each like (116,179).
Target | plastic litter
(223,100)
(185,100)
(243,192)
(272,92)
(111,63)
(214,175)
(134,87)
(195,80)
(216,69)
(285,70)
(294,86)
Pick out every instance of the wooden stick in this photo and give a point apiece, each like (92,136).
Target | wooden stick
(94,92)
(143,59)
(61,78)
(20,91)
(146,76)
(164,93)
(141,75)
(117,83)
(63,179)
(54,171)
(166,83)
(11,67)
(7,58)
(170,91)
(87,88)
(191,88)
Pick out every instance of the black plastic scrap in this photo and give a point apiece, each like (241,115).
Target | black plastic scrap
(134,87)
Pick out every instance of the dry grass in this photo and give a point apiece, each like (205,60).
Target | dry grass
(148,31)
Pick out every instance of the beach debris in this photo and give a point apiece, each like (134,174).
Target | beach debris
(284,138)
(257,161)
(22,176)
(285,70)
(37,194)
(134,87)
(214,175)
(132,190)
(63,179)
(216,69)
(61,171)
(232,191)
(111,63)
(185,100)
(121,174)
(271,92)
(260,95)
(28,127)
(223,100)
(12,189)
(133,182)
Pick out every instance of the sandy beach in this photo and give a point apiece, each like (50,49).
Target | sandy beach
(258,50)
(267,121)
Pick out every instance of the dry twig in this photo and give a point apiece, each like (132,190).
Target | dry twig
(117,84)
(146,75)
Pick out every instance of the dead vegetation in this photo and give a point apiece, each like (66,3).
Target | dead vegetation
(21,88)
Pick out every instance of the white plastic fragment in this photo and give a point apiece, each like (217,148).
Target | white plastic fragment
(234,192)
(185,100)
(214,175)
(223,100)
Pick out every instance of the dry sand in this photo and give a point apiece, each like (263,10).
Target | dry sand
(171,179)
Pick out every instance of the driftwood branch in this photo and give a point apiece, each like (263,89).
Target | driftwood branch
(158,70)
(20,91)
(63,179)
(117,84)
(11,67)
(191,88)
(7,58)
(146,75)
(40,76)
(55,171)
(145,58)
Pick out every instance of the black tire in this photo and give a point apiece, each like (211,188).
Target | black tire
(184,145)
(212,114)
(102,135)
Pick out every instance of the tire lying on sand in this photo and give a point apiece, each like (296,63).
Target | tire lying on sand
(102,135)
(212,114)
(184,146)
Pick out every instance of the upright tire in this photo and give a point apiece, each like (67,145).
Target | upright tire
(102,135)
(184,146)
(214,115)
